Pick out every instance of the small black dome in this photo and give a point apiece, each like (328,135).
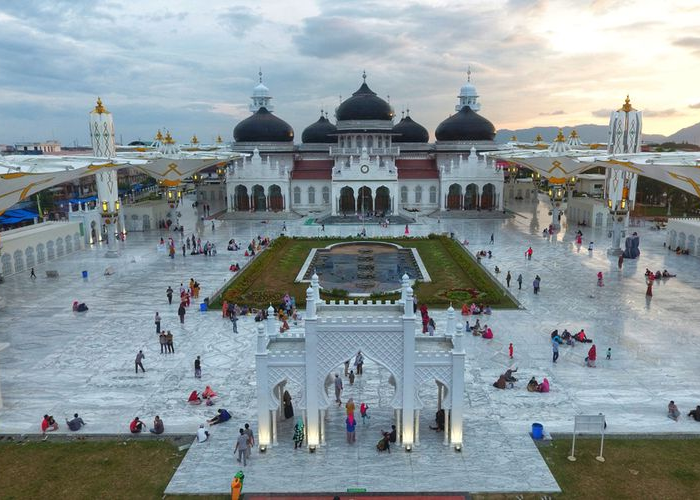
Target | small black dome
(465,125)
(263,126)
(410,131)
(364,105)
(318,132)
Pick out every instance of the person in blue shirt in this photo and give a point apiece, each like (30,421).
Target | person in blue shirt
(223,416)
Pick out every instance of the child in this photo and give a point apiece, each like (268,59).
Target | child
(363,413)
(510,350)
(609,354)
(351,376)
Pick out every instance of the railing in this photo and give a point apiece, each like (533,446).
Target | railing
(340,151)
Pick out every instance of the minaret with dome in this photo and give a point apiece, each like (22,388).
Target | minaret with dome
(365,162)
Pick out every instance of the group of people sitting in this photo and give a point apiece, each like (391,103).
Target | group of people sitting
(79,306)
(658,274)
(674,413)
(234,268)
(533,386)
(207,396)
(388,437)
(477,330)
(506,380)
(137,426)
(483,253)
(567,338)
(475,309)
(232,246)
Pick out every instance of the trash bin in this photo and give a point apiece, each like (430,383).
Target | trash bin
(537,431)
(203,306)
(85,274)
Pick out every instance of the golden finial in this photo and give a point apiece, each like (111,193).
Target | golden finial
(194,139)
(538,138)
(627,107)
(99,109)
(168,138)
(560,137)
(573,134)
(219,140)
(514,139)
(159,136)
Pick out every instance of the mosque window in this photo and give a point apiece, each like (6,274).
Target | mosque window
(297,195)
(312,195)
(433,194)
(326,194)
(419,194)
(404,194)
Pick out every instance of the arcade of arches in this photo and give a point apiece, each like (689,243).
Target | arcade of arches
(472,197)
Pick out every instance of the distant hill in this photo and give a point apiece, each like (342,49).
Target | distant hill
(594,133)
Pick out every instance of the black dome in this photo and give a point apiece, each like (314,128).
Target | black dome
(410,131)
(263,126)
(318,132)
(364,105)
(465,125)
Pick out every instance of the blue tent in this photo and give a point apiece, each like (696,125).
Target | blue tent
(17,215)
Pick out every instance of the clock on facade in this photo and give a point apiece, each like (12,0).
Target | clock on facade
(364,169)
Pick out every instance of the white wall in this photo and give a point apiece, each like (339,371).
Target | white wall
(29,246)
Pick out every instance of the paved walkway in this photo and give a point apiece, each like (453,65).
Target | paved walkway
(60,362)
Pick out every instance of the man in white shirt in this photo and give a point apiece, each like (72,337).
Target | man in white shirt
(202,434)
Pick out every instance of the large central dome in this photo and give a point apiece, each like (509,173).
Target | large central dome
(465,125)
(364,105)
(263,126)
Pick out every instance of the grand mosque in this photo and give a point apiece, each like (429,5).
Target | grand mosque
(366,161)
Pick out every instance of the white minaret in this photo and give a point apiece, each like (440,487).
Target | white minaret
(467,94)
(261,97)
(102,139)
(624,136)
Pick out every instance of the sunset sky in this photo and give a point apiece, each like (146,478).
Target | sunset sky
(190,66)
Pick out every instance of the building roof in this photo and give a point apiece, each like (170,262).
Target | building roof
(364,105)
(312,170)
(409,131)
(318,132)
(417,169)
(465,125)
(263,126)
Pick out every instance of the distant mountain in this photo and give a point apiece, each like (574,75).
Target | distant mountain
(593,133)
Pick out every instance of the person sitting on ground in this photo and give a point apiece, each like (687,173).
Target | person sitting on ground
(657,275)
(48,424)
(673,411)
(79,307)
(194,398)
(158,426)
(439,420)
(202,434)
(496,270)
(509,375)
(566,337)
(500,383)
(695,413)
(136,426)
(581,337)
(208,393)
(488,333)
(392,434)
(76,423)
(223,416)
(666,274)
(544,386)
(532,385)
(487,309)
(465,310)
(383,444)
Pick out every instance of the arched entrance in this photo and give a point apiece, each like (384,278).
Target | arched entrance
(364,200)
(289,396)
(383,200)
(242,202)
(471,197)
(454,197)
(488,197)
(276,199)
(259,200)
(347,200)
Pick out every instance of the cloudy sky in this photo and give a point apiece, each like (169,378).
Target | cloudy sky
(190,66)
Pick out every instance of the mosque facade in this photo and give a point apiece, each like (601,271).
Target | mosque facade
(365,161)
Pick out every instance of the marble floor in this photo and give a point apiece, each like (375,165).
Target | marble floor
(60,362)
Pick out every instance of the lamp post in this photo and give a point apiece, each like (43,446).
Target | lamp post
(556,195)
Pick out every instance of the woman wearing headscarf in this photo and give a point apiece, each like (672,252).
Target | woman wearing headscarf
(590,360)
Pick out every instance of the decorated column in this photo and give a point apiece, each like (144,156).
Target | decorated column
(102,139)
(264,413)
(408,385)
(313,430)
(457,393)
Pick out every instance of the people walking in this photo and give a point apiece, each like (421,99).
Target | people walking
(510,350)
(169,294)
(169,342)
(298,436)
(536,284)
(198,368)
(251,437)
(508,278)
(163,340)
(359,362)
(520,281)
(234,321)
(528,253)
(555,350)
(350,425)
(338,389)
(241,446)
(181,312)
(363,412)
(32,275)
(157,322)
(138,362)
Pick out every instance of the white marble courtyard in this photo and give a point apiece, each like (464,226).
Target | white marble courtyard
(60,362)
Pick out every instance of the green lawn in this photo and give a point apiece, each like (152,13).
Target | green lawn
(455,276)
